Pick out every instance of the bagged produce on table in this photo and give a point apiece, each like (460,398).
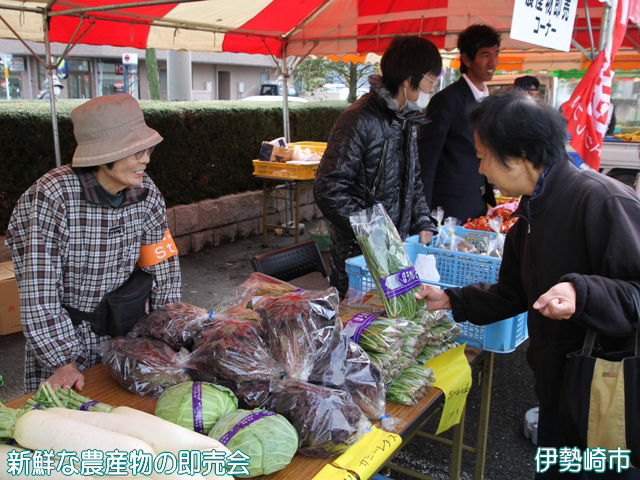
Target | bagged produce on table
(411,386)
(176,324)
(388,261)
(431,351)
(447,238)
(256,394)
(390,364)
(268,439)
(445,331)
(371,332)
(504,213)
(260,285)
(414,341)
(348,367)
(234,349)
(299,327)
(196,405)
(144,365)
(327,420)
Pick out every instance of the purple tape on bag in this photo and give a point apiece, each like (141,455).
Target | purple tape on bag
(354,327)
(400,282)
(298,290)
(87,405)
(196,399)
(248,420)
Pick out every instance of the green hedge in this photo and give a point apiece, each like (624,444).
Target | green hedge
(206,152)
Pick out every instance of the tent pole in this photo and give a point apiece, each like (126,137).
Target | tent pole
(285,95)
(52,97)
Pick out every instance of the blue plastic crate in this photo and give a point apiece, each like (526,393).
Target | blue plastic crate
(474,237)
(457,270)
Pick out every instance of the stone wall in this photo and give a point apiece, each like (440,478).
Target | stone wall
(214,222)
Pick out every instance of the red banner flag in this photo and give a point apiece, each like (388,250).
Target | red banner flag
(588,109)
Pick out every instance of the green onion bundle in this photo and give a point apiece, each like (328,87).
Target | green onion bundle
(411,386)
(388,261)
(371,332)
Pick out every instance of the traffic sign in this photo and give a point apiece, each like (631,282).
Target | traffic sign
(118,85)
(130,59)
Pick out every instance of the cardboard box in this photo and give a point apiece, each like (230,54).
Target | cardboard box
(9,300)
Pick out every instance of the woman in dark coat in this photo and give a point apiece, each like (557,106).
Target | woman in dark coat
(372,156)
(571,260)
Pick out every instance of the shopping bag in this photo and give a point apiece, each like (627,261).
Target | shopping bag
(600,398)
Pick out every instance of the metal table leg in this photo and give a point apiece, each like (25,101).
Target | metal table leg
(265,200)
(296,221)
(483,421)
(455,469)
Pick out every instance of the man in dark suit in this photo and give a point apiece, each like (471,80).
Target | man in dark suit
(448,162)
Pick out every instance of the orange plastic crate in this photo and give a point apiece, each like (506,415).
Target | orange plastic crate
(284,170)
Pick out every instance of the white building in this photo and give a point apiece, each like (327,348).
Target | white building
(93,71)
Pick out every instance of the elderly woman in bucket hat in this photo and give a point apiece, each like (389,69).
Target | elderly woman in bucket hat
(78,233)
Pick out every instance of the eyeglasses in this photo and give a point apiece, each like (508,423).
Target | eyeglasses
(435,82)
(141,153)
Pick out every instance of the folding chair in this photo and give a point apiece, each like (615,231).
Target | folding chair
(291,262)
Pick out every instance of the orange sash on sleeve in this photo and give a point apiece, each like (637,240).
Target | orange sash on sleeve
(154,253)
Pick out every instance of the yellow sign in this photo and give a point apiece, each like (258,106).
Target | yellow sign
(453,377)
(364,458)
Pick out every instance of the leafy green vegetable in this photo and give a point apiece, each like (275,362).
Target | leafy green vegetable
(411,386)
(196,405)
(270,440)
(47,397)
(8,417)
(386,256)
(377,334)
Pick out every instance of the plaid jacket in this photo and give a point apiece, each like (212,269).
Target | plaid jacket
(70,247)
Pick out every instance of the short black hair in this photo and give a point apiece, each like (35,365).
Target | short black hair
(409,57)
(475,37)
(514,124)
(526,82)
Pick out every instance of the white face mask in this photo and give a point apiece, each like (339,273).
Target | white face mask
(420,103)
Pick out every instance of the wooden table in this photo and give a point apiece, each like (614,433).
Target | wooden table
(101,386)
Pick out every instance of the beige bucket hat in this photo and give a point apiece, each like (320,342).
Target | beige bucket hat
(109,128)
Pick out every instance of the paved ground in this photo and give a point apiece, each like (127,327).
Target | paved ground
(208,280)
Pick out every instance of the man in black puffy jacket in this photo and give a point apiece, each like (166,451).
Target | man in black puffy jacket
(372,156)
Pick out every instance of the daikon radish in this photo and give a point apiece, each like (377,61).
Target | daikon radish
(161,435)
(43,430)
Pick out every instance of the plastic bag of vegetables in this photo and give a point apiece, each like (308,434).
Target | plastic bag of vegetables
(259,285)
(144,365)
(388,261)
(196,405)
(300,326)
(327,420)
(234,349)
(370,331)
(176,324)
(411,386)
(389,363)
(267,438)
(347,367)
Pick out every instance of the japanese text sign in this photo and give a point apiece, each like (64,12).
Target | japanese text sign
(548,23)
(362,459)
(453,377)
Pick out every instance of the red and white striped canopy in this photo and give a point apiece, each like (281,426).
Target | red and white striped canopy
(316,27)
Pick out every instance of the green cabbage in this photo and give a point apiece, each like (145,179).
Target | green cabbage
(270,441)
(176,405)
